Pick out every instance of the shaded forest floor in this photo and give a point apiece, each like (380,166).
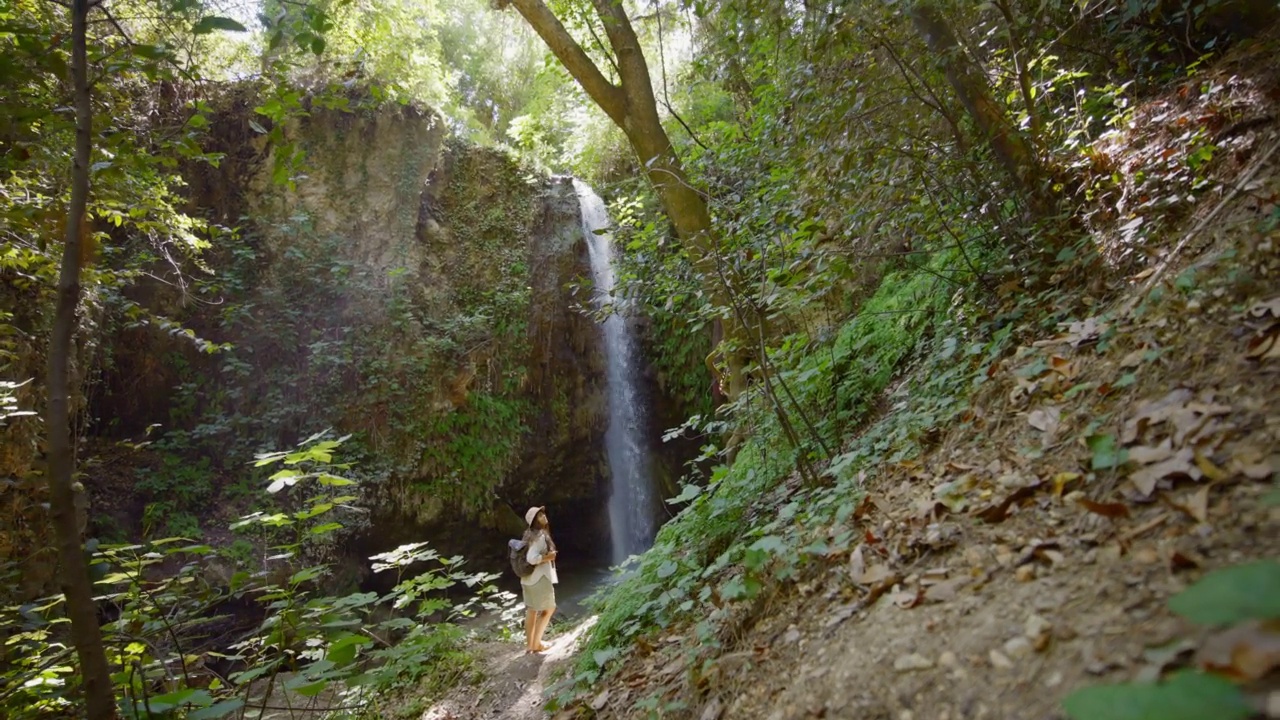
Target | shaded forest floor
(1031,551)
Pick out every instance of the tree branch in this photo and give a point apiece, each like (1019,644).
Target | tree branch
(626,46)
(605,94)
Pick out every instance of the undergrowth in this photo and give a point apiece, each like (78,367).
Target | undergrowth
(755,525)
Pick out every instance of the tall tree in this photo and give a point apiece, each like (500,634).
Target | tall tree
(74,576)
(631,105)
(1012,150)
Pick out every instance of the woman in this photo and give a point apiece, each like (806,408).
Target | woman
(539,585)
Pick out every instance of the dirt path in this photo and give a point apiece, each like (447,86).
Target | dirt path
(514,681)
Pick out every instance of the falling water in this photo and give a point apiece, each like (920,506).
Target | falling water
(631,500)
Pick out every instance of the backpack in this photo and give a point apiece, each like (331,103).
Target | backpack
(518,552)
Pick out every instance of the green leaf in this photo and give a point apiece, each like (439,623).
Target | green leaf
(150,52)
(1231,595)
(343,650)
(603,656)
(687,493)
(667,569)
(733,589)
(210,23)
(1106,453)
(312,689)
(218,710)
(1185,696)
(317,45)
(306,574)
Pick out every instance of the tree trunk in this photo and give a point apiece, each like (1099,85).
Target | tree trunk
(74,576)
(1011,149)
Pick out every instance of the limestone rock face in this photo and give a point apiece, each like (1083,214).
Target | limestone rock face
(484,254)
(413,291)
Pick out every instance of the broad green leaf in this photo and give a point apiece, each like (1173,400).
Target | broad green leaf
(667,569)
(210,23)
(687,493)
(1231,595)
(603,656)
(1185,696)
(150,52)
(306,574)
(1106,453)
(217,710)
(343,650)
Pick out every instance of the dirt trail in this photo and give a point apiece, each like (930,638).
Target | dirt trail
(514,681)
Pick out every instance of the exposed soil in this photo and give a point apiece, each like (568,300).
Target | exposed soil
(514,681)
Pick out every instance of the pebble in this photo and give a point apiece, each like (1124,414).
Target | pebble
(1035,626)
(947,659)
(1017,647)
(999,661)
(1025,573)
(914,661)
(1053,680)
(1146,556)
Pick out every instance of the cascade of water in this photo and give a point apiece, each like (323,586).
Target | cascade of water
(632,498)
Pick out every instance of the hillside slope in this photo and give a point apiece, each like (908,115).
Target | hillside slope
(1091,473)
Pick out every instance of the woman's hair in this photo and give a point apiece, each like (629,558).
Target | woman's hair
(532,532)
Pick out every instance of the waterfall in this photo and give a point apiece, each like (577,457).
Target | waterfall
(631,499)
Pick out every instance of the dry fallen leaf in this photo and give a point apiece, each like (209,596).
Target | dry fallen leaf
(1133,359)
(1046,420)
(1245,652)
(600,701)
(1179,561)
(1155,412)
(1180,465)
(1061,481)
(1264,346)
(946,590)
(1145,455)
(857,564)
(875,574)
(1111,510)
(1195,504)
(1266,308)
(1063,367)
(906,599)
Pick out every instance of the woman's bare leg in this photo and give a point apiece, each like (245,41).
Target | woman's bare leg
(543,620)
(530,625)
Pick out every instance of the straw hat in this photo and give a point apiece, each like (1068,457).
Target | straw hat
(532,513)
